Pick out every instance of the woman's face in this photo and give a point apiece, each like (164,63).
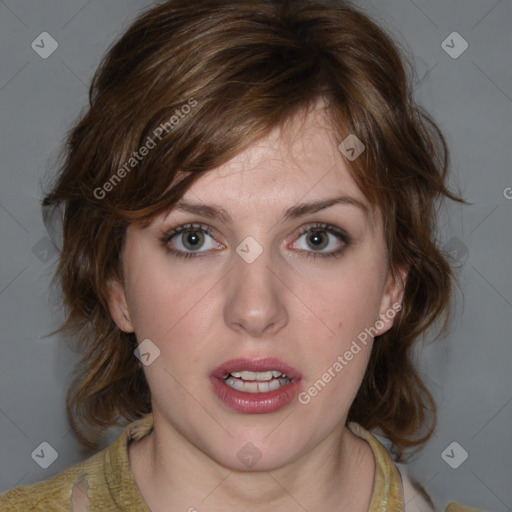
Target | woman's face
(273,262)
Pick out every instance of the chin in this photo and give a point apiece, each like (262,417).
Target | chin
(256,453)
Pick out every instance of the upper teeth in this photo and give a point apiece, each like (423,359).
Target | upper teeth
(258,375)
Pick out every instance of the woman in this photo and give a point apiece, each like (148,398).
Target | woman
(248,258)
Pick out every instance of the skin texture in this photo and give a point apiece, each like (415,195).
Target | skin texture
(213,307)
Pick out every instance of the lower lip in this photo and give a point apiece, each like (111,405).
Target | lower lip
(255,403)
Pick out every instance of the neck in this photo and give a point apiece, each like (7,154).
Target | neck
(172,473)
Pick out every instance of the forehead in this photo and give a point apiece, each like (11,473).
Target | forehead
(297,160)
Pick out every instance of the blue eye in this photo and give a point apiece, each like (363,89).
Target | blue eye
(315,240)
(188,240)
(322,240)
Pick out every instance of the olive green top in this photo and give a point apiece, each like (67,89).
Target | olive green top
(104,482)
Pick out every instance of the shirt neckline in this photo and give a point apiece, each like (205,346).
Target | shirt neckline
(387,485)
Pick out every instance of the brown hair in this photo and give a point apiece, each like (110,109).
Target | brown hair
(197,84)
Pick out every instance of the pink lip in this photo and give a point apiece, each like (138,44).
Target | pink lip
(255,403)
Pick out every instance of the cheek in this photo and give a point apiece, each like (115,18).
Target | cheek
(340,357)
(345,300)
(165,303)
(344,305)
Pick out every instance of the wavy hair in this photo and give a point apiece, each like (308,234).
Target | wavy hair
(201,82)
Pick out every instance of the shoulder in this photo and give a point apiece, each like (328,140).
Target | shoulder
(97,483)
(417,499)
(393,485)
(59,490)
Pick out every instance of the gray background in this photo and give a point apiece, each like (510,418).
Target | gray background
(470,97)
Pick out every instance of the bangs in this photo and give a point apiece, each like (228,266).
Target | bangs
(190,104)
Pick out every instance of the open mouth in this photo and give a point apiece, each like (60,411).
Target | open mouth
(256,382)
(255,386)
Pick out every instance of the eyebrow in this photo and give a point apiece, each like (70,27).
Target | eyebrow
(294,212)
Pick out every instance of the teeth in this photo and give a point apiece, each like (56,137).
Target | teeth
(258,376)
(255,387)
(265,387)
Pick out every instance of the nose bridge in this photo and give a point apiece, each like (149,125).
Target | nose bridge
(255,301)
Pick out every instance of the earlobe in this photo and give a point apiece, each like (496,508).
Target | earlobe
(118,306)
(392,297)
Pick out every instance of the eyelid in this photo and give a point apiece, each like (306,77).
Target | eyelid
(186,227)
(340,233)
(183,228)
(329,228)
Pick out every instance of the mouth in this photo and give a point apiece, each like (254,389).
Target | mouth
(255,386)
(256,382)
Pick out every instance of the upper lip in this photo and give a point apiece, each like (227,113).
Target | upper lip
(255,365)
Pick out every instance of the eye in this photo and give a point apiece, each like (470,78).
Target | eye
(322,240)
(190,239)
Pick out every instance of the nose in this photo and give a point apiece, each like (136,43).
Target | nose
(255,299)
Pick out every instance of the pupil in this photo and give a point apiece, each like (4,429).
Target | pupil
(317,240)
(193,240)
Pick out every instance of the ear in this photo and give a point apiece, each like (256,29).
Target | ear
(391,302)
(118,306)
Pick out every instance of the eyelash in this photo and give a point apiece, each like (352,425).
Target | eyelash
(182,229)
(332,230)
